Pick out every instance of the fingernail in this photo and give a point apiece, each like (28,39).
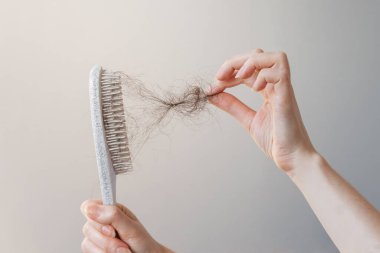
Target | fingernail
(122,250)
(240,72)
(92,211)
(108,231)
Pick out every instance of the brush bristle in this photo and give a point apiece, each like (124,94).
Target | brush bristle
(114,121)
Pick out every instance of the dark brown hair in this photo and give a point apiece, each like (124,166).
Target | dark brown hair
(148,109)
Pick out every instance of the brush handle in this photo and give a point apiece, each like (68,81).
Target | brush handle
(106,172)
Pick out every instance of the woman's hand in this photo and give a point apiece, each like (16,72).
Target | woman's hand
(351,221)
(102,224)
(276,126)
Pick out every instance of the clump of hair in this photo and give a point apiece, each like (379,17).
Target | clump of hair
(148,109)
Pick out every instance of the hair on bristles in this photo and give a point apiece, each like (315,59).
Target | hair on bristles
(115,127)
(132,111)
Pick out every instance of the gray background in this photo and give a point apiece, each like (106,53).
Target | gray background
(204,187)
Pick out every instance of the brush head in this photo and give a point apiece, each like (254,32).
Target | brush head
(115,128)
(109,129)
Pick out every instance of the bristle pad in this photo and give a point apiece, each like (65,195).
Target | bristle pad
(114,121)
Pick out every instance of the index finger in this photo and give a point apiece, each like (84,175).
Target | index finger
(226,75)
(229,67)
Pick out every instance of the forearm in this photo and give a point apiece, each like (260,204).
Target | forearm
(350,220)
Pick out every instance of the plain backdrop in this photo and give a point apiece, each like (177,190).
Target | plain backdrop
(201,187)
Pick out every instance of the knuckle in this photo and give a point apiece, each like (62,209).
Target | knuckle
(257,50)
(282,57)
(85,229)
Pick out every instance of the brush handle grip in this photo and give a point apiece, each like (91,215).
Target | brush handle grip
(106,172)
(107,180)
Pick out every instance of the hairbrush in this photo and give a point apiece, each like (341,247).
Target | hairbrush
(109,129)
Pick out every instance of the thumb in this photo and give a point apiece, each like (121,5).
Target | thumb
(120,217)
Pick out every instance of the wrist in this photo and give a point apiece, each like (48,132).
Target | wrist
(304,163)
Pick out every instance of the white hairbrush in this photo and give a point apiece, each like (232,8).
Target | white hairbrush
(109,129)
